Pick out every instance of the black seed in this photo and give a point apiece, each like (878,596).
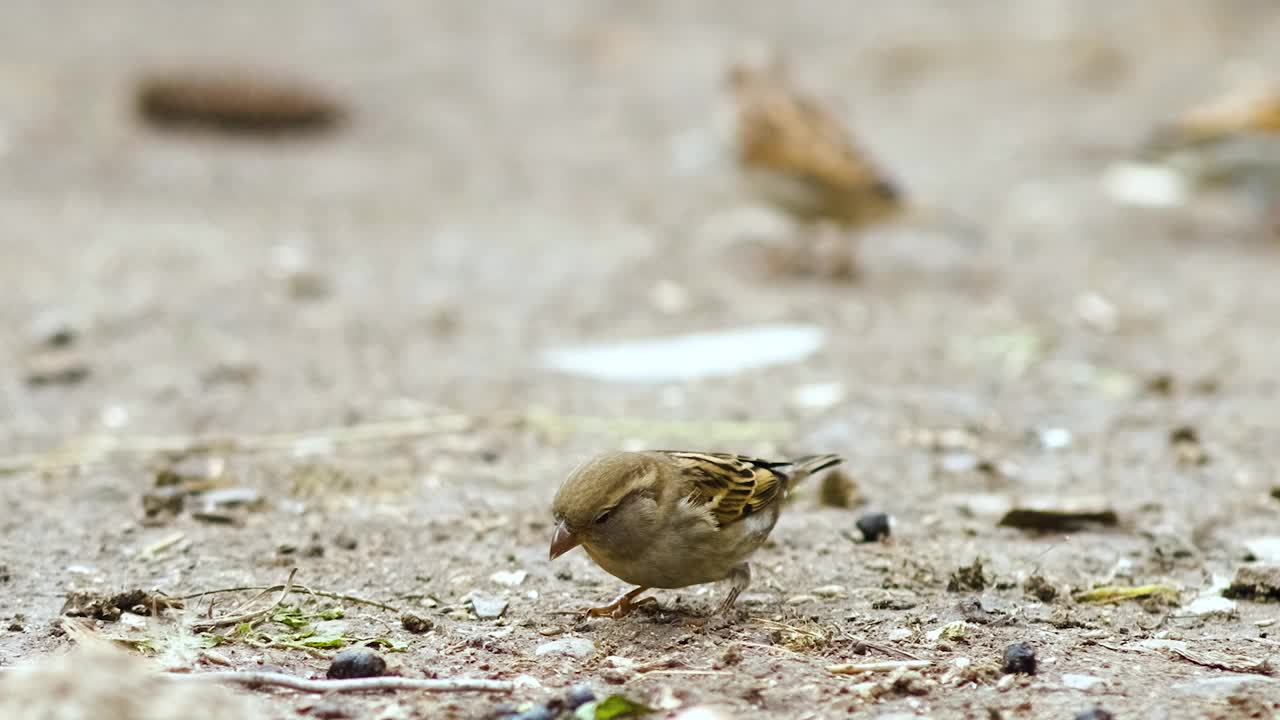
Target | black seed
(1020,658)
(874,526)
(356,663)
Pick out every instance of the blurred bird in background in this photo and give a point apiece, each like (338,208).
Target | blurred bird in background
(1230,145)
(795,155)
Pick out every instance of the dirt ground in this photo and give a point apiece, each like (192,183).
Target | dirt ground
(518,176)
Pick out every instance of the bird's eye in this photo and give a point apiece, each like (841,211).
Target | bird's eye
(602,517)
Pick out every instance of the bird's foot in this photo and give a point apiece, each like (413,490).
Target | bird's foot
(623,606)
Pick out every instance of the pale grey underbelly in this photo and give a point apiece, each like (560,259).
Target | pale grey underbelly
(669,562)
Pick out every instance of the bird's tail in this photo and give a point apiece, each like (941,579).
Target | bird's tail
(803,467)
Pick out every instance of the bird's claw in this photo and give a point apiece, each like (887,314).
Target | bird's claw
(619,608)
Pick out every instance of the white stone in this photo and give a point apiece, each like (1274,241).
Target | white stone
(817,396)
(703,712)
(1264,549)
(1210,605)
(1146,185)
(1082,682)
(510,578)
(487,607)
(578,647)
(829,591)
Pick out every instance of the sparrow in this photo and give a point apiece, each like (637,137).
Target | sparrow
(1231,143)
(795,154)
(671,519)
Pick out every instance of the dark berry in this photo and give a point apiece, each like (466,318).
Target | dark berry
(356,663)
(1020,658)
(873,526)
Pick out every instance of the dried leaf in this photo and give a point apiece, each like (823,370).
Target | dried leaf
(1109,594)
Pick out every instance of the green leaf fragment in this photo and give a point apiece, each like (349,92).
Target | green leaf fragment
(388,644)
(617,706)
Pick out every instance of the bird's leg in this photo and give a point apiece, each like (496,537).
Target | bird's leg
(623,606)
(837,253)
(739,578)
(797,255)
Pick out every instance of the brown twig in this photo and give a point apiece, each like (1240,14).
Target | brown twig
(296,588)
(887,649)
(289,682)
(237,618)
(855,668)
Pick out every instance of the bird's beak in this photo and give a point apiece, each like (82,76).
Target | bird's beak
(563,541)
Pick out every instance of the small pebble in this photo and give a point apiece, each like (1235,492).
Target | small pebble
(702,712)
(537,712)
(53,329)
(1263,549)
(1095,714)
(1053,438)
(1210,605)
(874,526)
(577,647)
(1020,658)
(356,663)
(416,624)
(1082,682)
(345,541)
(579,695)
(487,607)
(510,578)
(830,591)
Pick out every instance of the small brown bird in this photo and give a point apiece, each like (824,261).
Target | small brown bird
(796,155)
(1231,144)
(670,519)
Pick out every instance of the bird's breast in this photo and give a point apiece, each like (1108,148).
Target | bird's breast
(682,556)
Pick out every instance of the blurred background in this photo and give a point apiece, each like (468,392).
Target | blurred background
(512,177)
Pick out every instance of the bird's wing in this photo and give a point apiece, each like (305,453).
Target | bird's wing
(730,487)
(784,131)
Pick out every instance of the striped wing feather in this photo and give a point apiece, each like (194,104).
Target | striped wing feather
(731,486)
